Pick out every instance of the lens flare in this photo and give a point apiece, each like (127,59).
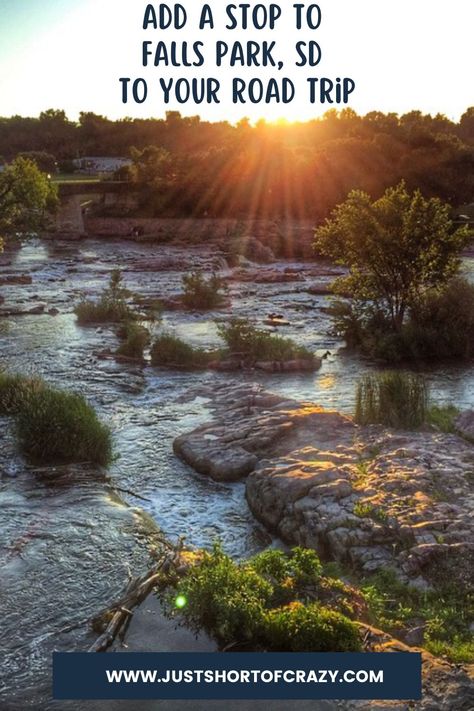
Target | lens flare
(180,602)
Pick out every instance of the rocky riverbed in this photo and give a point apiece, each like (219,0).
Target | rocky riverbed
(371,498)
(368,496)
(56,533)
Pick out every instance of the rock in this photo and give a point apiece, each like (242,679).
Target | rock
(37,310)
(33,311)
(255,251)
(229,365)
(465,424)
(53,312)
(66,234)
(15,279)
(268,366)
(299,365)
(445,686)
(162,264)
(320,289)
(221,462)
(276,321)
(264,276)
(415,636)
(275,277)
(408,508)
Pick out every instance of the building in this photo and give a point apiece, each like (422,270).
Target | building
(100,164)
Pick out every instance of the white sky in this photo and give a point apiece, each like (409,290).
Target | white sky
(403,55)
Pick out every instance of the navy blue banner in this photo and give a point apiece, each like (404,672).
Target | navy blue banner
(237,676)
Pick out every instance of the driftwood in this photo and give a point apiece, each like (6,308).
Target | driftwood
(120,613)
(129,491)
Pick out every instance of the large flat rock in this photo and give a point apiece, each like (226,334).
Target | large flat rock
(370,497)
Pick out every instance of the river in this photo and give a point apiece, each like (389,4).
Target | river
(65,550)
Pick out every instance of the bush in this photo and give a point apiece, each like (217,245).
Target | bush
(111,307)
(303,566)
(14,390)
(200,293)
(440,325)
(393,398)
(135,339)
(46,162)
(244,339)
(168,350)
(288,574)
(347,322)
(447,612)
(225,598)
(56,427)
(241,338)
(260,602)
(310,628)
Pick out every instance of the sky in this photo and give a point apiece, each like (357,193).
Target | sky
(70,54)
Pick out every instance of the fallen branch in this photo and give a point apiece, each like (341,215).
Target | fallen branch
(120,613)
(129,491)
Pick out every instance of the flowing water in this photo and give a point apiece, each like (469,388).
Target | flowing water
(66,549)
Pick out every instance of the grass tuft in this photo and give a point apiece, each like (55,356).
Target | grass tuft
(170,351)
(242,338)
(392,398)
(110,308)
(201,293)
(443,417)
(447,613)
(15,390)
(54,427)
(135,339)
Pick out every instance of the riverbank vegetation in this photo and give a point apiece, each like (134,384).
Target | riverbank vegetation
(27,198)
(244,342)
(443,417)
(403,256)
(400,399)
(248,341)
(441,618)
(111,307)
(135,337)
(53,426)
(201,293)
(439,325)
(272,602)
(392,398)
(178,159)
(169,351)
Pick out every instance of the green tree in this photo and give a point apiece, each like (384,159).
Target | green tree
(154,172)
(396,248)
(26,195)
(153,166)
(46,162)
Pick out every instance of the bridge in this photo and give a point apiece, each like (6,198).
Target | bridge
(77,197)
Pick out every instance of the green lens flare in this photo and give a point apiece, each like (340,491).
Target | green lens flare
(180,602)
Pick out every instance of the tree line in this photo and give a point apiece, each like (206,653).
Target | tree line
(187,166)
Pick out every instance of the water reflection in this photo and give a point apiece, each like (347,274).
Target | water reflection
(64,552)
